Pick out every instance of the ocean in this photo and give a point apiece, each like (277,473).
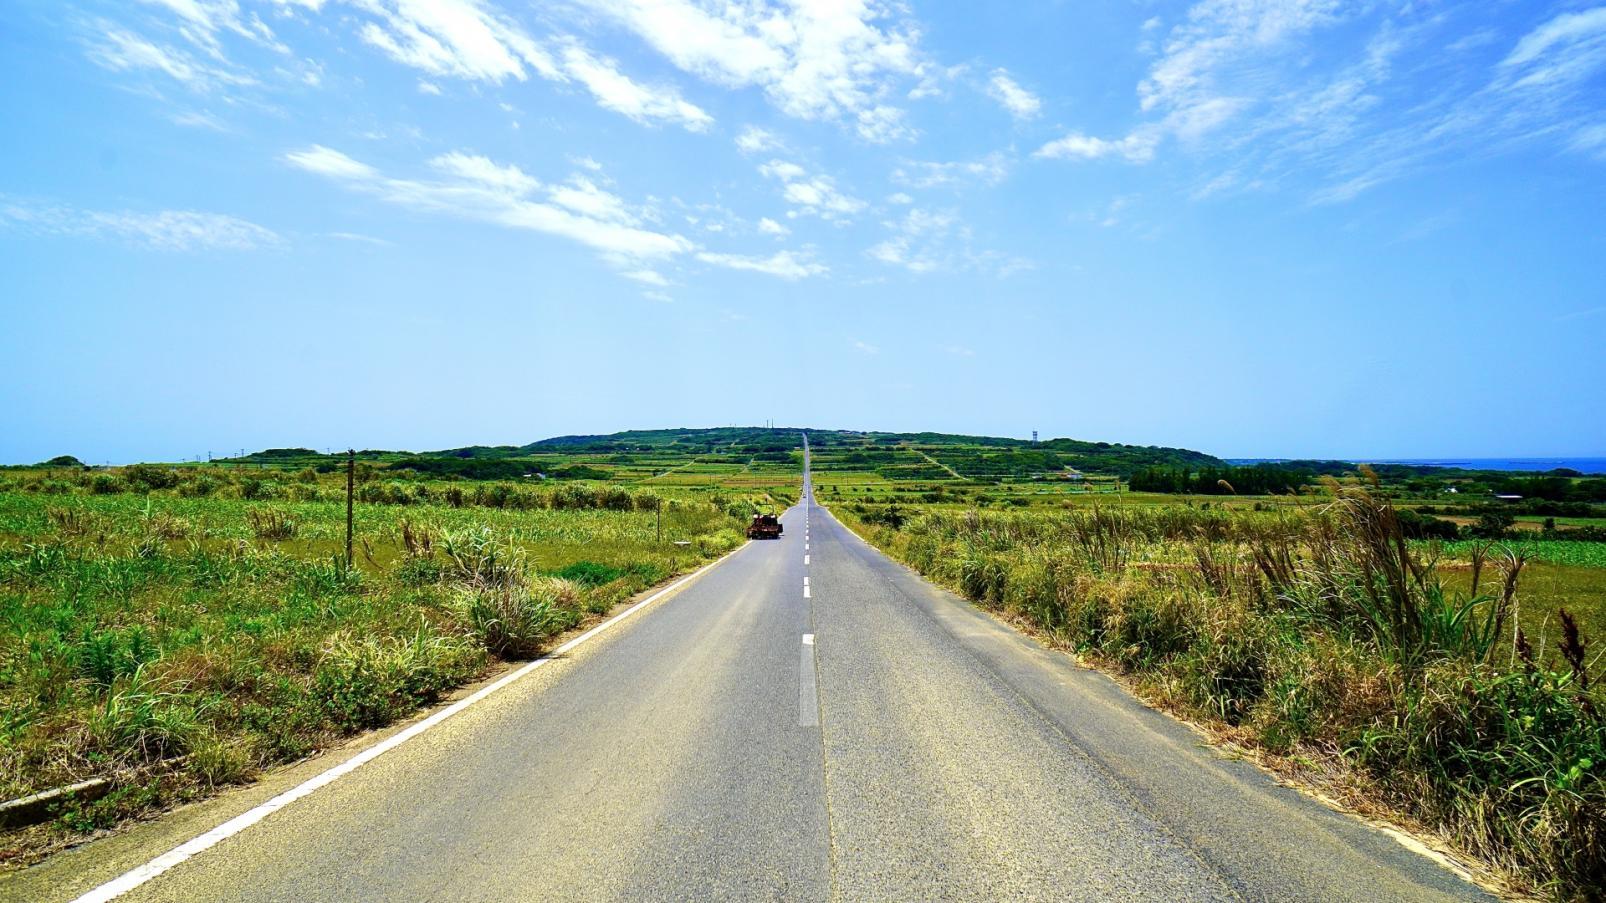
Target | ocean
(1524,465)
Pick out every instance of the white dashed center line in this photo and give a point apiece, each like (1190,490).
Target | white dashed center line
(808,697)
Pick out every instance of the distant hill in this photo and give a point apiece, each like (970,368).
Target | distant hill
(979,456)
(1095,457)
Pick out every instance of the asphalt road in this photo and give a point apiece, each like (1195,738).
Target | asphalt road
(870,737)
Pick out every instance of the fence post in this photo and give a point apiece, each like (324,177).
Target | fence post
(351,481)
(660,519)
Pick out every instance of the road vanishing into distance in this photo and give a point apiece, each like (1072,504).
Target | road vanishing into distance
(806,720)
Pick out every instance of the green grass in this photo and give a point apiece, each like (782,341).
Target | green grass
(1555,551)
(1316,634)
(176,642)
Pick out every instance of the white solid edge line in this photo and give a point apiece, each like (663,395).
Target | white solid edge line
(137,876)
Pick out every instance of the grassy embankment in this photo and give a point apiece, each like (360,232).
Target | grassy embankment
(1321,638)
(180,637)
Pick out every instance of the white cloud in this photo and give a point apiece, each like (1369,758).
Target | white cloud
(989,170)
(615,91)
(1021,103)
(582,196)
(814,195)
(476,188)
(461,38)
(196,119)
(883,124)
(784,264)
(820,60)
(647,277)
(471,40)
(124,51)
(864,347)
(900,199)
(201,21)
(1213,67)
(1564,49)
(771,227)
(930,241)
(754,140)
(164,230)
(481,170)
(359,238)
(1136,148)
(329,162)
(1219,36)
(919,241)
(430,88)
(1590,139)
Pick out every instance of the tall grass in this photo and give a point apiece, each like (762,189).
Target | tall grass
(1320,634)
(174,642)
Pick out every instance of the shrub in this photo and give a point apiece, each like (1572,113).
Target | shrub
(513,621)
(590,573)
(479,557)
(148,477)
(370,682)
(270,524)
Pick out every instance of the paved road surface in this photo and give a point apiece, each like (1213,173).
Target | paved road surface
(867,738)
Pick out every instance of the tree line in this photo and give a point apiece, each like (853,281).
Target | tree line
(1254,479)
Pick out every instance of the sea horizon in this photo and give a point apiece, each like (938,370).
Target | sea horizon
(1587,465)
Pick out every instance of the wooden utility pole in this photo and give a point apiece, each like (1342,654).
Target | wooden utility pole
(351,482)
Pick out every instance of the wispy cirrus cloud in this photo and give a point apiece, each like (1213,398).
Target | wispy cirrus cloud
(811,194)
(1021,103)
(1348,95)
(471,40)
(932,241)
(458,38)
(1561,50)
(474,187)
(120,50)
(161,230)
(785,264)
(474,41)
(818,61)
(203,21)
(988,170)
(615,91)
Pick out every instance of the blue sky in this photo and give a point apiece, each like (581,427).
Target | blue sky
(1252,227)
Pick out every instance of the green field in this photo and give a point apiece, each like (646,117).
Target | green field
(175,630)
(179,628)
(1275,620)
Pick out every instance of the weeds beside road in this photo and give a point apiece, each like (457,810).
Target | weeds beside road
(176,643)
(1323,638)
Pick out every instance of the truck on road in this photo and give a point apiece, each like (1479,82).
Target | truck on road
(764,526)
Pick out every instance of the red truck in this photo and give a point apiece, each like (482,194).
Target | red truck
(764,526)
